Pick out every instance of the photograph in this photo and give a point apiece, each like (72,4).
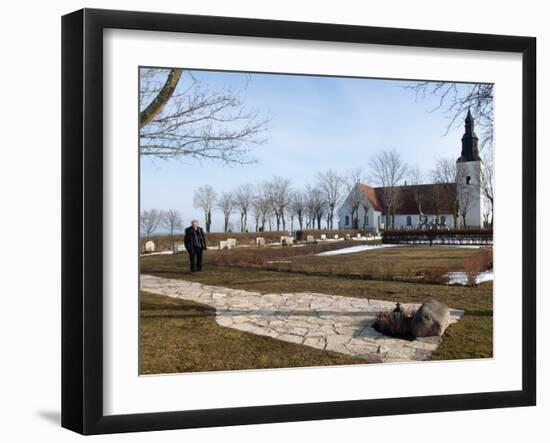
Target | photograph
(299,220)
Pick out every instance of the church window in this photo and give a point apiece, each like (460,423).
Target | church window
(409,220)
(347,220)
(468,180)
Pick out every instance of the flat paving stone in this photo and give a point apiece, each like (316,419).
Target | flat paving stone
(321,321)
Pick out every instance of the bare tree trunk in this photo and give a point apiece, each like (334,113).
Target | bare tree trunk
(150,112)
(208,221)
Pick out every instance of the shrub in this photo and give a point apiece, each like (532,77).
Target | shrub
(481,261)
(486,258)
(387,269)
(434,276)
(387,324)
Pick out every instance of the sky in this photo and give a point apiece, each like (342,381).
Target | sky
(316,124)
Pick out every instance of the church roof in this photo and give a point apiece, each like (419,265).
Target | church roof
(433,195)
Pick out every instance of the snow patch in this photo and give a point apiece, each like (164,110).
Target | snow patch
(460,278)
(354,249)
(158,253)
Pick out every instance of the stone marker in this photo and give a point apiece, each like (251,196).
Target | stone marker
(260,242)
(358,235)
(150,246)
(335,236)
(347,237)
(178,247)
(287,241)
(431,319)
(323,236)
(310,239)
(231,243)
(224,245)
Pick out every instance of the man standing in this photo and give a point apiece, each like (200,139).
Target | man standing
(195,243)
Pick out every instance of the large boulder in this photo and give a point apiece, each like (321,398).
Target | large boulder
(431,319)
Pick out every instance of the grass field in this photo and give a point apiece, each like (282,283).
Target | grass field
(471,337)
(182,336)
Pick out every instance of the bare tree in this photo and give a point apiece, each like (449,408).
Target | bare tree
(205,198)
(436,196)
(298,207)
(366,205)
(225,204)
(332,187)
(180,116)
(454,99)
(149,221)
(160,98)
(171,219)
(243,198)
(487,187)
(446,173)
(315,206)
(261,207)
(355,194)
(388,170)
(416,178)
(279,193)
(465,201)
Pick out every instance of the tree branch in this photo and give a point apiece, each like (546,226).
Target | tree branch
(149,113)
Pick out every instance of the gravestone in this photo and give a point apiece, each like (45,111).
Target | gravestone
(310,239)
(347,237)
(178,247)
(150,246)
(288,240)
(336,236)
(231,243)
(223,245)
(358,235)
(260,242)
(323,236)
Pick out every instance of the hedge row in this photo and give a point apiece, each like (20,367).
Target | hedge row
(464,236)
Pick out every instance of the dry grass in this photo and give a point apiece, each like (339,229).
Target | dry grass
(408,263)
(183,336)
(469,338)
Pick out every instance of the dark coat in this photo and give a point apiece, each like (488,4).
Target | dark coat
(194,240)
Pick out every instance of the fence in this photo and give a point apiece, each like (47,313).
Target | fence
(472,236)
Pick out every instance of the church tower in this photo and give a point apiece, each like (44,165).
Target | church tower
(469,168)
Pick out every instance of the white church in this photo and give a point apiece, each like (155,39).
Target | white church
(441,204)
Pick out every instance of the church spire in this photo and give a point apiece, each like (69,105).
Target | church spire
(469,141)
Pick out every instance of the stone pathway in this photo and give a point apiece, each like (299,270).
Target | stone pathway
(331,322)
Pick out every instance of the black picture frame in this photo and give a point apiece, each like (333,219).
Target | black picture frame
(82,218)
